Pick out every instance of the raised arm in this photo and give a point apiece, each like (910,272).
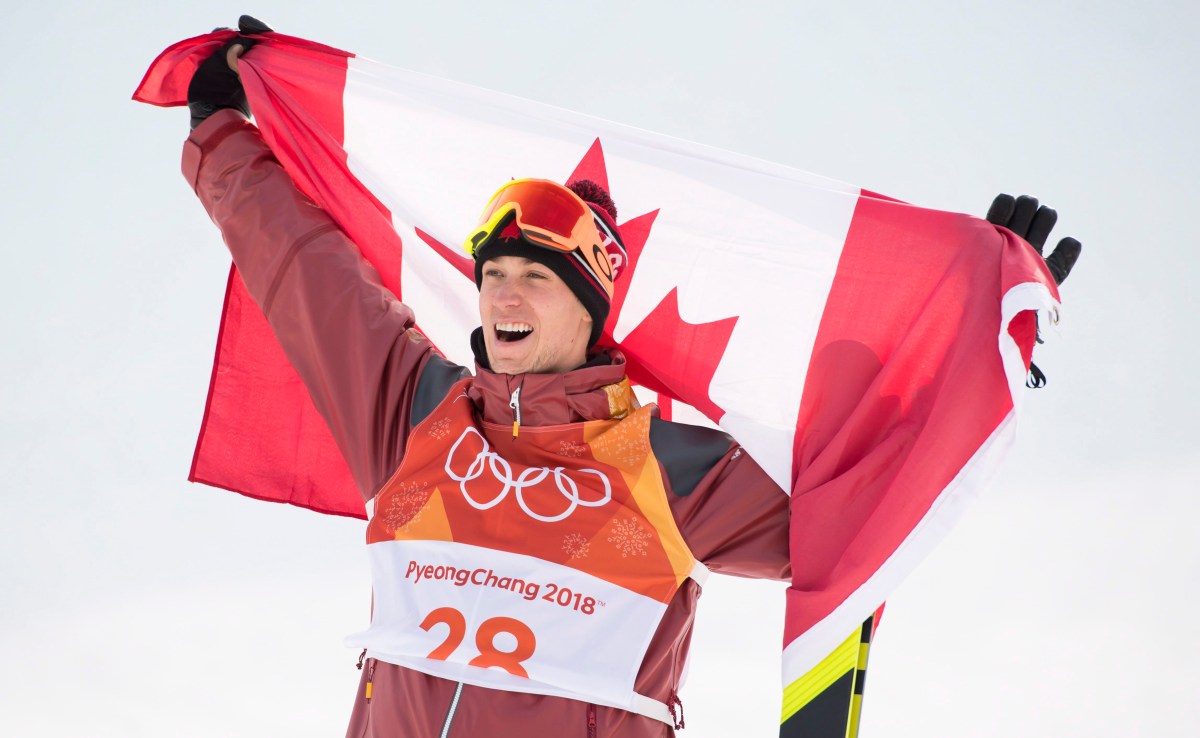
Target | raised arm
(348,337)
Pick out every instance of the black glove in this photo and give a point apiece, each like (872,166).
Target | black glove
(1024,217)
(1032,222)
(215,86)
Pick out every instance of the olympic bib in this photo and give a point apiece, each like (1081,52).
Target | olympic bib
(539,564)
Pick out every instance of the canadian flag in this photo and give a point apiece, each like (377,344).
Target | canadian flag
(867,353)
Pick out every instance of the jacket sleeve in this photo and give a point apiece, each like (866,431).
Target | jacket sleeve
(348,337)
(733,516)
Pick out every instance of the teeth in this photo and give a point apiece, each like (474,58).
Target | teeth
(514,327)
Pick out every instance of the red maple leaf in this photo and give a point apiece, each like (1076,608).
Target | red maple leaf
(674,357)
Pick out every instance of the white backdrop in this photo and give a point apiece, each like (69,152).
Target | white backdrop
(135,604)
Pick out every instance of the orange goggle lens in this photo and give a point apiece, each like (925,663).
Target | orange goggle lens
(549,212)
(551,216)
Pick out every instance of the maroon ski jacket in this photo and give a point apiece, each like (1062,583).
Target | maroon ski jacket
(373,377)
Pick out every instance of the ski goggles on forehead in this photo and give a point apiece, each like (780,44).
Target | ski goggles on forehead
(551,216)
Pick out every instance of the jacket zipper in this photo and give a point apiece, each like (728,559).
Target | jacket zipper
(591,721)
(450,713)
(515,403)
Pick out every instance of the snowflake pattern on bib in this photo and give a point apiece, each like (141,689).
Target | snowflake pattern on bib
(407,505)
(629,537)
(575,545)
(440,429)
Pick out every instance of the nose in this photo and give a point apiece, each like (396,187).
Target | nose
(507,293)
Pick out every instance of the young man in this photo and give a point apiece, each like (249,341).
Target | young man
(537,539)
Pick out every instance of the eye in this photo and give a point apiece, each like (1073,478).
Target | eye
(492,272)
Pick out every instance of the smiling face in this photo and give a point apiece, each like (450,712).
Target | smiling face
(532,322)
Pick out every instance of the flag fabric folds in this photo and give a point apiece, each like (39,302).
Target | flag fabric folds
(867,353)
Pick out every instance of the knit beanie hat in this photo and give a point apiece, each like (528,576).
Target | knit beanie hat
(506,240)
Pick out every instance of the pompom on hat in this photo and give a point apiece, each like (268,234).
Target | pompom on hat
(529,222)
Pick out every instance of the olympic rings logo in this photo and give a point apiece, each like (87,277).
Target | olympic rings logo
(487,460)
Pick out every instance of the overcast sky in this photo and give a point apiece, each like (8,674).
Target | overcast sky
(135,604)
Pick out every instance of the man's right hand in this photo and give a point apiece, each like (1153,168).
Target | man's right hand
(216,85)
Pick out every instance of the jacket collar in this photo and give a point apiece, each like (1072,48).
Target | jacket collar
(597,390)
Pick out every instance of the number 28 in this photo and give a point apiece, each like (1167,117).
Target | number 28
(485,640)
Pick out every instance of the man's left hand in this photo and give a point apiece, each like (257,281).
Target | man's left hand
(1032,222)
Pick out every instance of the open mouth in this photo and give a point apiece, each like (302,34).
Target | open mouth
(512,332)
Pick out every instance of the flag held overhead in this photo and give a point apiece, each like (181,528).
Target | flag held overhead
(867,353)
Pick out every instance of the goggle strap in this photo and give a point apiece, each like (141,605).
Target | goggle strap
(587,269)
(612,236)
